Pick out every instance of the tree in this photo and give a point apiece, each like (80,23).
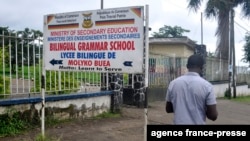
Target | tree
(246,49)
(19,40)
(168,31)
(27,37)
(4,42)
(6,32)
(220,9)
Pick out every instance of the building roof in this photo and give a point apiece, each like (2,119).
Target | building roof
(182,40)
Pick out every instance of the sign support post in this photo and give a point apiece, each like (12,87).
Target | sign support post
(105,40)
(146,40)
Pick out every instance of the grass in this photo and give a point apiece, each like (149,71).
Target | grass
(40,137)
(22,72)
(27,71)
(107,115)
(243,99)
(14,125)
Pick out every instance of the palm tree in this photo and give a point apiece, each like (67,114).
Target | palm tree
(220,9)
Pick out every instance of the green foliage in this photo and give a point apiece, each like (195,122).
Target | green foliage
(5,90)
(20,45)
(6,31)
(220,9)
(107,115)
(27,33)
(52,121)
(14,122)
(246,49)
(40,137)
(4,63)
(52,80)
(168,31)
(11,123)
(4,81)
(227,93)
(6,57)
(243,99)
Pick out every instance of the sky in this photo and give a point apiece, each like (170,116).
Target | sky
(19,14)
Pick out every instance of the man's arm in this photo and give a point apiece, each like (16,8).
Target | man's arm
(212,112)
(169,107)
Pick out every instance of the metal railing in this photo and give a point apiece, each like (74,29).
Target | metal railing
(21,67)
(20,63)
(163,69)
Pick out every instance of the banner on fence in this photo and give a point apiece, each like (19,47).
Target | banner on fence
(105,40)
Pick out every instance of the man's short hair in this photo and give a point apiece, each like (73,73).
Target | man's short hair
(195,61)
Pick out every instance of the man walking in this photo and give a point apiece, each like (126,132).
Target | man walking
(190,97)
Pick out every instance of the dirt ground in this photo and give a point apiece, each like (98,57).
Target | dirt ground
(130,126)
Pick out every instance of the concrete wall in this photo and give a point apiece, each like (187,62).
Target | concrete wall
(61,106)
(79,108)
(158,94)
(171,50)
(241,90)
(178,47)
(88,105)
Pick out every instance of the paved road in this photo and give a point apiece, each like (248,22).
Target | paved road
(130,127)
(230,112)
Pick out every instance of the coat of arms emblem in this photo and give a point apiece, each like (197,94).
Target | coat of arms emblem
(87,22)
